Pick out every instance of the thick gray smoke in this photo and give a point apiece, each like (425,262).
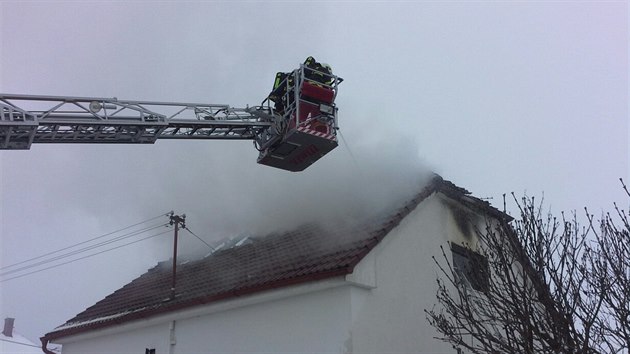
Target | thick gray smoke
(349,184)
(221,188)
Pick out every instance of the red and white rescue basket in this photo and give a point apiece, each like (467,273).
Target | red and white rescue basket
(310,133)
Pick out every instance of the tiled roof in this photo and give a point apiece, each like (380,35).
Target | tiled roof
(309,253)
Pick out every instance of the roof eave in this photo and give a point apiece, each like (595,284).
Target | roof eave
(202,301)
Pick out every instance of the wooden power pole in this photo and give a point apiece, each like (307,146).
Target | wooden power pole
(178,221)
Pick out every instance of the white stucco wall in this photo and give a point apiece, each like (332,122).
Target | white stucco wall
(390,317)
(316,322)
(313,319)
(135,341)
(377,309)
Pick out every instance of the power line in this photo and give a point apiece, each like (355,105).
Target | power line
(84,257)
(20,343)
(81,250)
(84,249)
(84,242)
(199,238)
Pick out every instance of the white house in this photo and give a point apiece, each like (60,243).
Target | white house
(359,288)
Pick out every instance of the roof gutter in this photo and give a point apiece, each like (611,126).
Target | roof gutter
(45,349)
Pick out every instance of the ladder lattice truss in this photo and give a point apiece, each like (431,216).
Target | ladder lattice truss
(28,119)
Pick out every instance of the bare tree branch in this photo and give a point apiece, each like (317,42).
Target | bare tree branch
(553,285)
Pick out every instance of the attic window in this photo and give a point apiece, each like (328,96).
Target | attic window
(471,268)
(149,351)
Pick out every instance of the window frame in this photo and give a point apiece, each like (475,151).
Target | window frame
(472,267)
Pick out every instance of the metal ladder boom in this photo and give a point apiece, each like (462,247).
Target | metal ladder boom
(28,119)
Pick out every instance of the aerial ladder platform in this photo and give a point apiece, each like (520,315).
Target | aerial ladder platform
(291,129)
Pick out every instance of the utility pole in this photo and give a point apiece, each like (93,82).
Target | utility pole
(177,221)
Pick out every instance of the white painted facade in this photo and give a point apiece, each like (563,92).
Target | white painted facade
(379,308)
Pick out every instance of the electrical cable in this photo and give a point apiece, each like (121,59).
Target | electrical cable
(84,242)
(84,249)
(200,239)
(345,143)
(84,257)
(20,343)
(87,248)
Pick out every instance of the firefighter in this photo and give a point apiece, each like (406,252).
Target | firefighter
(319,72)
(328,70)
(277,95)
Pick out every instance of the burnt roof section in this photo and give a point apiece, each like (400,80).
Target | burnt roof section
(307,254)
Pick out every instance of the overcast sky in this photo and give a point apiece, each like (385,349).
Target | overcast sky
(497,97)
